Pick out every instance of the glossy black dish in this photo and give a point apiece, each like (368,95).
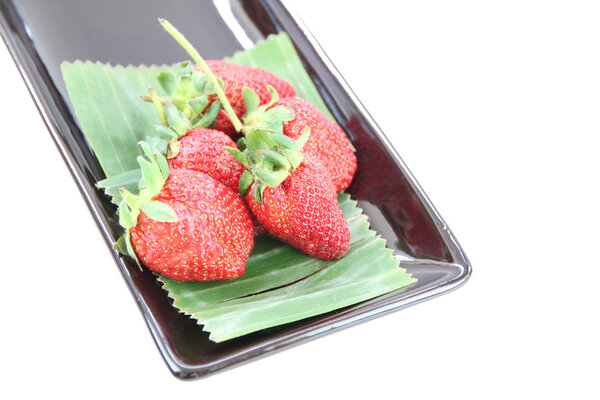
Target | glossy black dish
(42,34)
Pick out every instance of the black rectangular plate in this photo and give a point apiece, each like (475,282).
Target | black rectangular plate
(42,34)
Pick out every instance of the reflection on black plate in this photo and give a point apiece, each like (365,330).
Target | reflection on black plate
(40,35)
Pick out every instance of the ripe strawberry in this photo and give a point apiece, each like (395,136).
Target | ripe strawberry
(212,238)
(185,224)
(303,211)
(327,141)
(291,194)
(235,77)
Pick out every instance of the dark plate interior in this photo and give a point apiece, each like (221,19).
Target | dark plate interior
(42,34)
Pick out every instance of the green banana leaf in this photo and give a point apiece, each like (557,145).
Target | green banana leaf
(283,285)
(280,284)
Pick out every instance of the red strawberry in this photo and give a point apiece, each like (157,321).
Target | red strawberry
(212,238)
(327,141)
(235,77)
(188,227)
(291,194)
(303,211)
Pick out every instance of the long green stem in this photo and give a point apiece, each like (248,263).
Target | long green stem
(237,124)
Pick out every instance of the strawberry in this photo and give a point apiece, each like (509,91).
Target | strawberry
(291,194)
(235,77)
(303,211)
(185,224)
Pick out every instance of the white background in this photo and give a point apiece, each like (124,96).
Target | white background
(494,106)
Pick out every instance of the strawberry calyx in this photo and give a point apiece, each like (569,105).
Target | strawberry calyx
(176,123)
(188,90)
(264,116)
(155,171)
(268,157)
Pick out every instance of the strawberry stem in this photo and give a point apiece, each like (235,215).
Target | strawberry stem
(187,46)
(158,105)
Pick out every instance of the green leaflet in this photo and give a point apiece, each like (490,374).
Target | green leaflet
(280,284)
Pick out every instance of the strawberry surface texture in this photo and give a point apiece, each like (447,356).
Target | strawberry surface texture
(203,150)
(212,238)
(327,141)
